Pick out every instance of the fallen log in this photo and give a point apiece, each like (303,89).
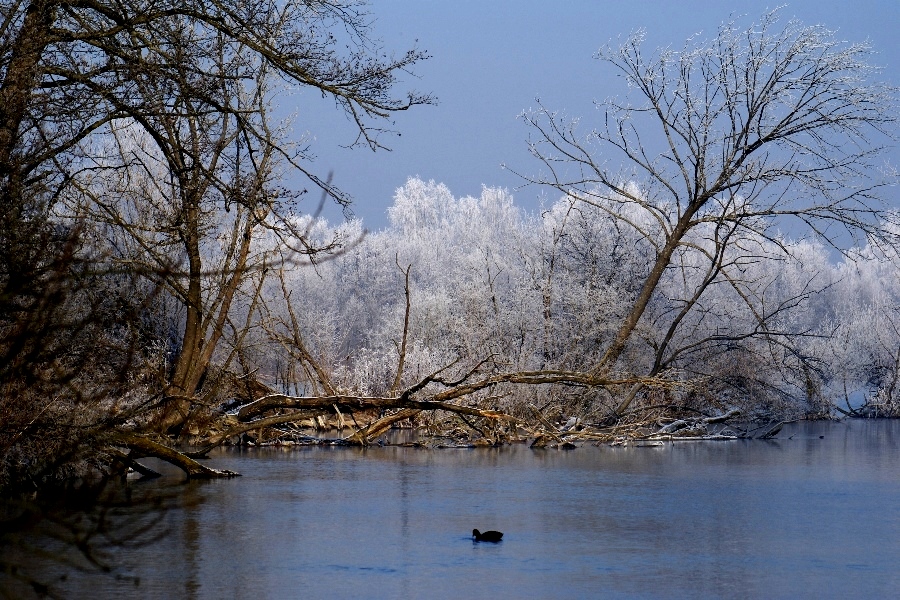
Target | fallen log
(553,443)
(692,438)
(693,428)
(549,429)
(308,406)
(673,427)
(772,431)
(734,412)
(320,405)
(141,447)
(362,436)
(218,440)
(128,462)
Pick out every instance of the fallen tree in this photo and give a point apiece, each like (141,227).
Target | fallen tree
(142,446)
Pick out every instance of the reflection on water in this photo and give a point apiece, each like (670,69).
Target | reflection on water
(801,516)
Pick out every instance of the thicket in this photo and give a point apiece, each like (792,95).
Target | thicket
(545,291)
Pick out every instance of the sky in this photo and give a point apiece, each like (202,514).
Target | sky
(491,59)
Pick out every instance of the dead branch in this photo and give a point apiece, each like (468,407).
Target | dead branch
(549,429)
(695,428)
(128,461)
(362,436)
(772,431)
(312,406)
(219,439)
(331,404)
(401,348)
(141,446)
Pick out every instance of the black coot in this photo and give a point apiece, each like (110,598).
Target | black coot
(487,536)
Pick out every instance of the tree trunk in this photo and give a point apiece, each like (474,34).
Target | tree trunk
(21,79)
(142,446)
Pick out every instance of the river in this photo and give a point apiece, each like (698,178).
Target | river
(814,513)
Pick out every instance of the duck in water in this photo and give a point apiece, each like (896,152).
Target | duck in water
(487,536)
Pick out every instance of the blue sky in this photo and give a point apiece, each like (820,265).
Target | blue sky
(491,59)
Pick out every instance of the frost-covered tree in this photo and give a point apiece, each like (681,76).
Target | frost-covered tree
(717,144)
(468,293)
(773,326)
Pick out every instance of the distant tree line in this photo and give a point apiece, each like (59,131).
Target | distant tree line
(790,330)
(662,276)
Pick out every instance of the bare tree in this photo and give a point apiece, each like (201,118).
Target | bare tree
(143,127)
(79,60)
(188,188)
(70,71)
(727,138)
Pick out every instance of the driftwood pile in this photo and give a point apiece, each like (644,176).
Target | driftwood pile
(439,420)
(479,428)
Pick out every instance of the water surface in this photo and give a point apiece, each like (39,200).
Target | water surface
(800,516)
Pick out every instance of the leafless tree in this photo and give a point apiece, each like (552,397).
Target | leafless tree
(139,165)
(135,143)
(723,141)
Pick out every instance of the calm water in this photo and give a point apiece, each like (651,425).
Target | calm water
(800,517)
